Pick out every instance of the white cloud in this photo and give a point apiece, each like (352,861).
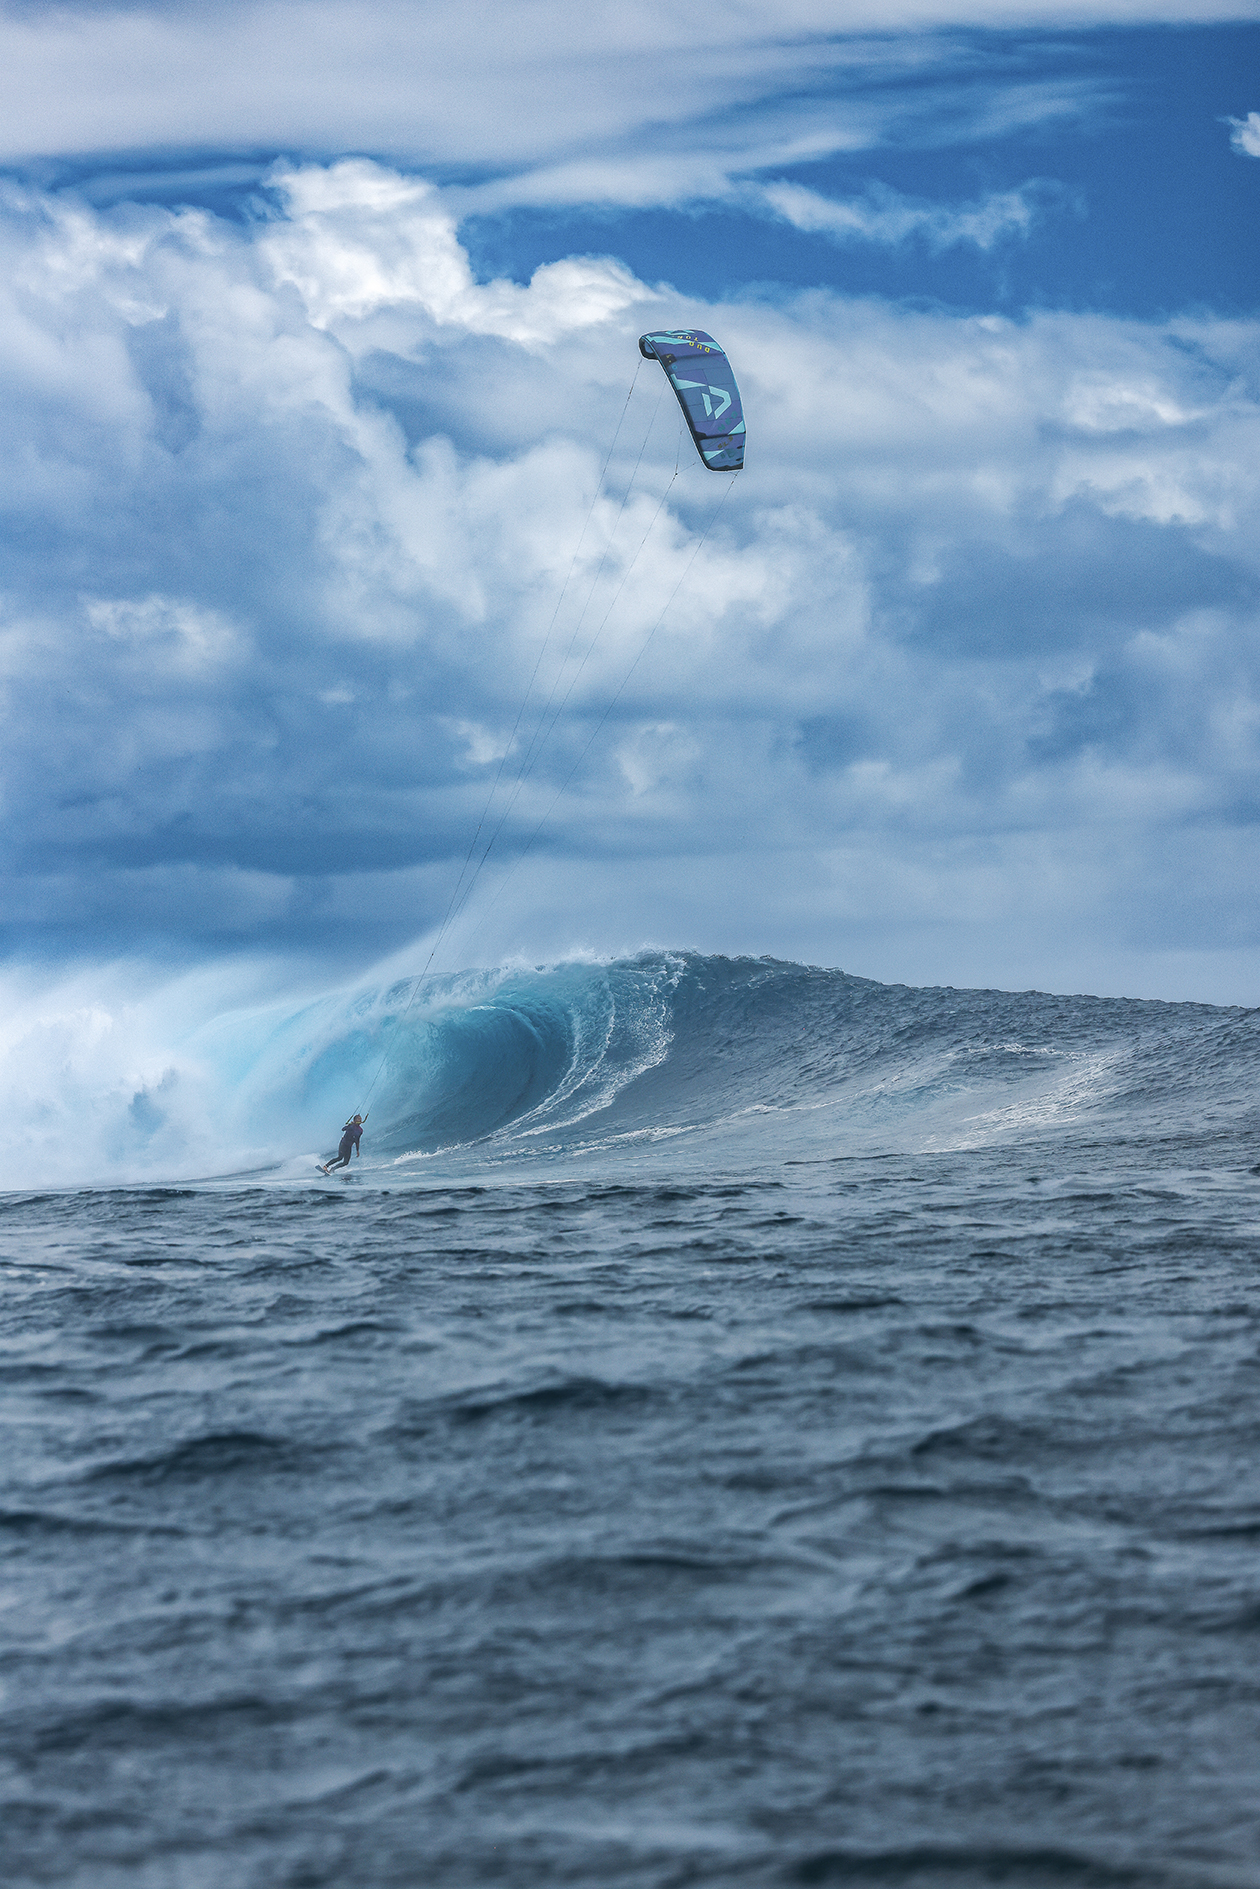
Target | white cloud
(163,632)
(851,97)
(500,84)
(885,216)
(358,239)
(291,505)
(1245,136)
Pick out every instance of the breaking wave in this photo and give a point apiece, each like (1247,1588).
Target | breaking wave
(714,1057)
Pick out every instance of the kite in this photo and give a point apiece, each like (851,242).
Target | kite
(701,376)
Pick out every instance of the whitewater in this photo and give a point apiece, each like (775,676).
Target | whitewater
(737,1423)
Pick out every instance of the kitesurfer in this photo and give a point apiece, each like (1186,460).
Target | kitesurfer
(348,1145)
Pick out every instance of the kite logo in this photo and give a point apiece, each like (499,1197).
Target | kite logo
(719,393)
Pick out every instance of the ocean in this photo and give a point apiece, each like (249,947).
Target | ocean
(737,1423)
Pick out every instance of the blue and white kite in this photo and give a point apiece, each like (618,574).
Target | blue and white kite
(701,376)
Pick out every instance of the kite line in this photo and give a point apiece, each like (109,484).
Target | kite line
(703,401)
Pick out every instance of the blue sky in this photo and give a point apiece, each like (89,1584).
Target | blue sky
(1137,204)
(316,322)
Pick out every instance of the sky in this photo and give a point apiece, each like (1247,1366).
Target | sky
(330,459)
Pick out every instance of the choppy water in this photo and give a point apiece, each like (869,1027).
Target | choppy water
(739,1424)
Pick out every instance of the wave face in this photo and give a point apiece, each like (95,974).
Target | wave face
(709,1057)
(714,1053)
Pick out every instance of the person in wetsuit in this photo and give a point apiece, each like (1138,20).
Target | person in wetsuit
(348,1145)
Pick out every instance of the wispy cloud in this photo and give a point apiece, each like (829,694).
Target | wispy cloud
(880,215)
(502,88)
(1245,136)
(885,216)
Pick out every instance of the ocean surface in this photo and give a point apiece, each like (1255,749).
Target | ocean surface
(738,1423)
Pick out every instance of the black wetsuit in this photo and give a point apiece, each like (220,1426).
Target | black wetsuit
(348,1144)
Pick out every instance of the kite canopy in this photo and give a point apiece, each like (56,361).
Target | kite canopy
(701,376)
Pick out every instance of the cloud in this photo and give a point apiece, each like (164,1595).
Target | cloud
(160,634)
(292,504)
(501,87)
(357,239)
(882,215)
(850,96)
(1245,136)
(885,216)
